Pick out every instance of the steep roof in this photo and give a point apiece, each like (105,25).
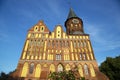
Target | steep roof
(71,14)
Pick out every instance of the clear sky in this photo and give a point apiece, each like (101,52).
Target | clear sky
(101,20)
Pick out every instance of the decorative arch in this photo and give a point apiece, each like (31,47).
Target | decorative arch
(80,70)
(86,71)
(38,70)
(24,70)
(92,71)
(67,67)
(60,67)
(52,68)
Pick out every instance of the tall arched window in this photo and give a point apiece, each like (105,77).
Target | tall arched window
(86,69)
(80,56)
(24,70)
(52,68)
(38,71)
(80,70)
(92,70)
(60,67)
(31,68)
(84,56)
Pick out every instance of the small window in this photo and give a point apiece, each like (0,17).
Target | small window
(84,56)
(86,69)
(80,56)
(42,28)
(58,56)
(36,27)
(31,68)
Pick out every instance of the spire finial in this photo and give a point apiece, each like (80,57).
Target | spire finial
(71,14)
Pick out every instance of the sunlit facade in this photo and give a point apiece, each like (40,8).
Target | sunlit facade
(45,51)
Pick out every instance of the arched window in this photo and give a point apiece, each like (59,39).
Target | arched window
(66,57)
(60,67)
(84,56)
(67,67)
(24,70)
(80,70)
(52,68)
(31,68)
(80,56)
(42,29)
(86,69)
(92,70)
(38,70)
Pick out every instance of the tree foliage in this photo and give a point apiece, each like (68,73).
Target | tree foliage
(4,76)
(65,75)
(111,67)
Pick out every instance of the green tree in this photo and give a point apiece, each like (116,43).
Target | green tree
(65,75)
(4,76)
(111,67)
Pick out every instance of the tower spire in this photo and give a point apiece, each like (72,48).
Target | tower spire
(71,14)
(73,24)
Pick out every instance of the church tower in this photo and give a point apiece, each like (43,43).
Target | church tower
(45,51)
(73,24)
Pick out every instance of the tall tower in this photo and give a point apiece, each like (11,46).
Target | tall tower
(46,51)
(73,24)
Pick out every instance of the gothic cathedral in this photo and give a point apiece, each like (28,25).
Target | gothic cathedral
(46,51)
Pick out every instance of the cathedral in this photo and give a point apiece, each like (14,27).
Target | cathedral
(45,51)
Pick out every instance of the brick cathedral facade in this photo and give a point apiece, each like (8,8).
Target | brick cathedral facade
(45,51)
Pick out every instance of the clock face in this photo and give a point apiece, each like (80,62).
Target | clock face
(75,21)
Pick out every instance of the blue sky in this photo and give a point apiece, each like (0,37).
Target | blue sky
(101,20)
